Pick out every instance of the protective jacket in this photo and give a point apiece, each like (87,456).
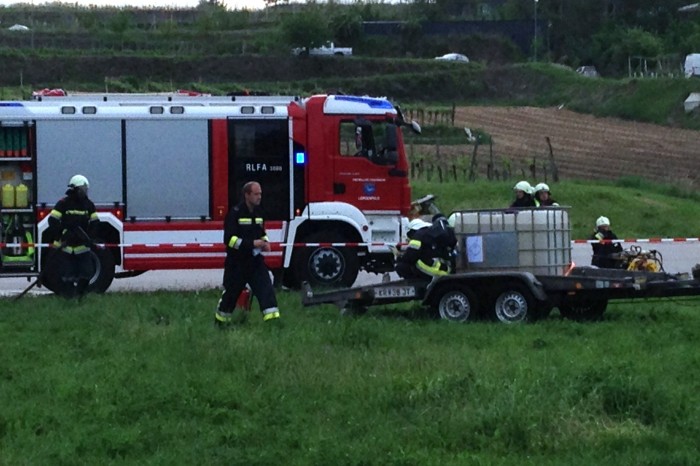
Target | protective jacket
(73,222)
(241,228)
(525,201)
(428,253)
(548,203)
(603,251)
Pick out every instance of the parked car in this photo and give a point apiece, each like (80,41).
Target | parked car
(588,71)
(454,57)
(18,27)
(329,48)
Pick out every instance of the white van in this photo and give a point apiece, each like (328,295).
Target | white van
(692,65)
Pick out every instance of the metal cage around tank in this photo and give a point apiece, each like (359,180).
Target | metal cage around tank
(526,240)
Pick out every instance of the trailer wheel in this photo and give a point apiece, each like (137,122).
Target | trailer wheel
(456,303)
(514,304)
(584,311)
(327,265)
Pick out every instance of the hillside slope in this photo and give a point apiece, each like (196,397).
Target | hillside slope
(588,147)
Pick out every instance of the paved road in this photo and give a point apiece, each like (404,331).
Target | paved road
(677,257)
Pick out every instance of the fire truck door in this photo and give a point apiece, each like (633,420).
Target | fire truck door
(259,150)
(363,174)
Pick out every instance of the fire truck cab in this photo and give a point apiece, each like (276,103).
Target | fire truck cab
(165,169)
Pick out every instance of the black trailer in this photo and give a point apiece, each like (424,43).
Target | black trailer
(582,294)
(515,265)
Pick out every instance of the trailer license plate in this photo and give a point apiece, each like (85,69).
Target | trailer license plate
(395,292)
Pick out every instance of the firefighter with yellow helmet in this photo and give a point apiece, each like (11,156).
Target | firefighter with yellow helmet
(73,223)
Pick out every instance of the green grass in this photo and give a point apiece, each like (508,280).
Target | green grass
(636,208)
(147,379)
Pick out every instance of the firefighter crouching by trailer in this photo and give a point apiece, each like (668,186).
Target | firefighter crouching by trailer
(245,239)
(429,253)
(73,222)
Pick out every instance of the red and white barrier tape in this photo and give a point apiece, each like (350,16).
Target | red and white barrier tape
(326,245)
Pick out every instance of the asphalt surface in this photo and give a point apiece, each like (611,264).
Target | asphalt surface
(677,257)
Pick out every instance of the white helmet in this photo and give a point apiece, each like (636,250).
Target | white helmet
(417,224)
(523,186)
(78,181)
(602,221)
(541,187)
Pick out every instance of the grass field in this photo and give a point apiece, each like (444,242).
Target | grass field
(145,378)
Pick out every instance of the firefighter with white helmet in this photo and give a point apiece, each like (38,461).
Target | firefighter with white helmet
(73,222)
(523,195)
(429,250)
(605,249)
(543,196)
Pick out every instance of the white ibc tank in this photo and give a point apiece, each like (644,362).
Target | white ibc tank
(532,240)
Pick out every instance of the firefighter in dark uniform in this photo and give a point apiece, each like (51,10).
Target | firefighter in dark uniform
(73,222)
(245,240)
(426,256)
(605,250)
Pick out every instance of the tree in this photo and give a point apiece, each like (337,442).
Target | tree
(305,29)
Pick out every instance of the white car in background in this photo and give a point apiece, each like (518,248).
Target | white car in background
(454,57)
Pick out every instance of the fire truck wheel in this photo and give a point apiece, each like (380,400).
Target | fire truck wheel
(103,262)
(584,311)
(456,303)
(327,265)
(514,304)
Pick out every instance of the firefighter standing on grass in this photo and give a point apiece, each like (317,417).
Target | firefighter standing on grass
(73,222)
(245,240)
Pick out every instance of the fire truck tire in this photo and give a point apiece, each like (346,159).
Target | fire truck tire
(104,270)
(513,304)
(326,266)
(584,311)
(456,303)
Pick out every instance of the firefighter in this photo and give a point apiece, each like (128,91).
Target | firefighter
(429,251)
(605,251)
(543,197)
(246,240)
(73,223)
(523,195)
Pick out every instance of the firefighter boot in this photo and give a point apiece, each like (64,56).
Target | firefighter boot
(81,288)
(271,313)
(222,320)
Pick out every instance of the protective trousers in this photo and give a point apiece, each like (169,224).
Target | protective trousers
(253,272)
(76,270)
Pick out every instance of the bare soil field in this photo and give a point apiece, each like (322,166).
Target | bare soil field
(584,146)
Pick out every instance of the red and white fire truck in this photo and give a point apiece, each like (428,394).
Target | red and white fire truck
(164,170)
